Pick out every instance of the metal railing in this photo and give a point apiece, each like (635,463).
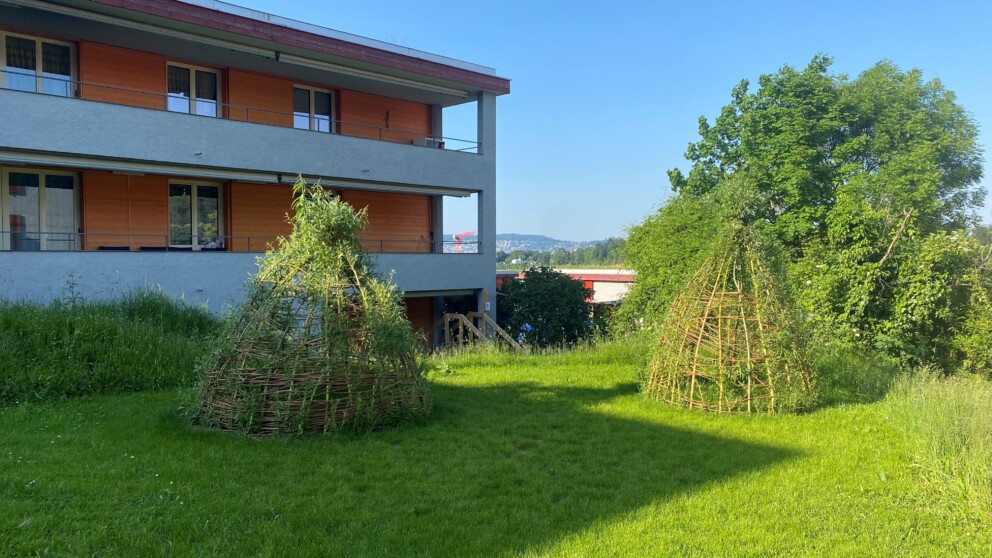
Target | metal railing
(119,95)
(37,241)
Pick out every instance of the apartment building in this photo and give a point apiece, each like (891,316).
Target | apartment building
(154,143)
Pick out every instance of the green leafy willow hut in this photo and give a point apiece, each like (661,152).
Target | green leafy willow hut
(729,343)
(322,343)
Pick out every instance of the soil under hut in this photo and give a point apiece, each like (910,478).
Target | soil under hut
(322,343)
(729,343)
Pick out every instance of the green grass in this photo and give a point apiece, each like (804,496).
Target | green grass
(948,425)
(543,455)
(145,340)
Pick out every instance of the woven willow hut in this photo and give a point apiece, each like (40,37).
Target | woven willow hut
(321,344)
(729,344)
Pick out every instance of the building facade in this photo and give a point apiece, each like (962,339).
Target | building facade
(154,143)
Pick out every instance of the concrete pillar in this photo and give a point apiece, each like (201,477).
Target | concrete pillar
(437,224)
(487,193)
(437,122)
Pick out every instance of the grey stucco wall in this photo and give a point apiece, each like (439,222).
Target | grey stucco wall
(93,129)
(215,280)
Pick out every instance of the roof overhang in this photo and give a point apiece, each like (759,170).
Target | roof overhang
(232,27)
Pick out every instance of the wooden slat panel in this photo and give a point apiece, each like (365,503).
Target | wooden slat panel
(364,115)
(420,312)
(398,223)
(270,98)
(149,205)
(108,67)
(105,209)
(124,207)
(259,211)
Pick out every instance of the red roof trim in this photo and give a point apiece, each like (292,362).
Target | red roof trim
(221,21)
(602,277)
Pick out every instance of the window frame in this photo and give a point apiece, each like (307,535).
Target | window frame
(192,88)
(313,121)
(194,212)
(39,62)
(42,199)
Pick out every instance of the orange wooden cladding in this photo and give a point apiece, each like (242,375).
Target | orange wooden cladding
(259,98)
(258,211)
(365,115)
(420,312)
(133,211)
(131,77)
(106,71)
(398,223)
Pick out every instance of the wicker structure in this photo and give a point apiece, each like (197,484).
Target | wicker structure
(729,343)
(322,344)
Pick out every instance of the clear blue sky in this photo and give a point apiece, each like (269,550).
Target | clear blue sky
(606,96)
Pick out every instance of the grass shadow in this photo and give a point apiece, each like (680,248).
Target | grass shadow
(500,469)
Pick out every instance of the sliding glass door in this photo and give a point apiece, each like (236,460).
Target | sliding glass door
(39,210)
(195,219)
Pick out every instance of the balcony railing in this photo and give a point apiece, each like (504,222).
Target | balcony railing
(206,108)
(33,241)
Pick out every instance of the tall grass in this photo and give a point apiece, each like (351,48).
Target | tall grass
(145,340)
(948,425)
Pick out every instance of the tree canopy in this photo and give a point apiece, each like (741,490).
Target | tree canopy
(868,184)
(547,307)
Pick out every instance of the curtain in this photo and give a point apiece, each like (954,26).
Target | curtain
(55,59)
(21,53)
(206,85)
(178,81)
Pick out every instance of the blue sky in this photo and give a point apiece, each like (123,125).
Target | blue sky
(606,96)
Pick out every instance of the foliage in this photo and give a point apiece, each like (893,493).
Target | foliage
(528,455)
(548,307)
(974,340)
(868,184)
(322,343)
(665,250)
(146,340)
(948,425)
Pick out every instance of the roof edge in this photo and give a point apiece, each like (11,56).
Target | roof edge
(352,47)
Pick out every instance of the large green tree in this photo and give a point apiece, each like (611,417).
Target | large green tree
(867,183)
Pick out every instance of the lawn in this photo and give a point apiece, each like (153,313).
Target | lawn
(551,455)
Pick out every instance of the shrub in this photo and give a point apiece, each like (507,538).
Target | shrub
(548,307)
(145,340)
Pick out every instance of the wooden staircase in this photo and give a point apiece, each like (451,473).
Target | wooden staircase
(474,327)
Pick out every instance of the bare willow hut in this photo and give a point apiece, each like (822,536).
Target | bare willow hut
(729,343)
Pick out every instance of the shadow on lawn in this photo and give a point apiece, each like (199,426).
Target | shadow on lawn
(523,465)
(504,469)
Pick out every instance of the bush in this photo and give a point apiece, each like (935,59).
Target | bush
(548,307)
(947,423)
(144,341)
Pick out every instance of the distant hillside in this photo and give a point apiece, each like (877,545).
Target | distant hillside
(509,242)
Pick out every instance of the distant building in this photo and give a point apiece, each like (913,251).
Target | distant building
(609,286)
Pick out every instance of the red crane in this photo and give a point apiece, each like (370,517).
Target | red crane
(458,240)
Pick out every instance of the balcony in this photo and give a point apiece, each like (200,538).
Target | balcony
(212,277)
(243,142)
(35,241)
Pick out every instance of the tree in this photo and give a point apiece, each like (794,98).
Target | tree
(547,306)
(868,184)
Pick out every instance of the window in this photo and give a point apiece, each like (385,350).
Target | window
(192,90)
(195,215)
(36,65)
(313,109)
(39,210)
